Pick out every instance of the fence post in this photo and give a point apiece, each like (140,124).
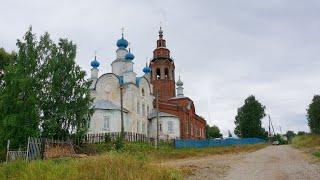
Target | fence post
(27,157)
(8,146)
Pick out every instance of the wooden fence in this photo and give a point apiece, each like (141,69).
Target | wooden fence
(16,155)
(41,148)
(35,148)
(111,136)
(57,148)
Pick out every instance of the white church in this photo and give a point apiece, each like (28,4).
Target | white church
(138,111)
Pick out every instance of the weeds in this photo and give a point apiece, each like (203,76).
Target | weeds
(134,161)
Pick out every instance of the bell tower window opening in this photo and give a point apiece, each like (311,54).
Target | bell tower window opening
(158,74)
(142,92)
(166,73)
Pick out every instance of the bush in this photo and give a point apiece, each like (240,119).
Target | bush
(119,144)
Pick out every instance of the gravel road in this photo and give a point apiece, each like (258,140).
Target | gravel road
(272,162)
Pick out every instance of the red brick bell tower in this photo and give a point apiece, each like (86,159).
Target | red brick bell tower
(162,70)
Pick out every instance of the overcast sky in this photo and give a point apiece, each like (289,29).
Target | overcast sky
(224,50)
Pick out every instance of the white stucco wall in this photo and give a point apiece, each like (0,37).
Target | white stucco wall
(137,104)
(97,121)
(163,133)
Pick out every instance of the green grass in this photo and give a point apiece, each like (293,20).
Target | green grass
(309,143)
(306,141)
(111,166)
(316,154)
(166,152)
(135,161)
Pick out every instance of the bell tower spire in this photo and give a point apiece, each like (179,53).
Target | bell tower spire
(163,70)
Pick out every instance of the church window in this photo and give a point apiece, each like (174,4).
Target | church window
(148,110)
(138,108)
(170,127)
(166,73)
(142,92)
(172,75)
(143,127)
(126,123)
(106,122)
(160,127)
(158,73)
(138,127)
(143,110)
(191,130)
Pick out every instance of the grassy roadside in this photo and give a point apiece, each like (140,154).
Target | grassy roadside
(309,143)
(306,141)
(166,152)
(134,162)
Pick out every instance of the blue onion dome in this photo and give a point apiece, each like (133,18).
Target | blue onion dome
(129,56)
(179,82)
(95,63)
(122,43)
(146,70)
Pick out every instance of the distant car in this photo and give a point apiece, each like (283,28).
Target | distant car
(275,143)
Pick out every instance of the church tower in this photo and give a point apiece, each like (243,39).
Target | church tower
(162,70)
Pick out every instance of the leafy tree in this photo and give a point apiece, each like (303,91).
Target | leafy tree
(19,110)
(213,132)
(313,115)
(65,96)
(44,93)
(290,135)
(248,119)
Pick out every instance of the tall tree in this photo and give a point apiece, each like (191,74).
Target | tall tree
(19,108)
(44,93)
(213,132)
(248,119)
(65,99)
(313,115)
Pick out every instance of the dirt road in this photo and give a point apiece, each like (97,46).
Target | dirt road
(272,162)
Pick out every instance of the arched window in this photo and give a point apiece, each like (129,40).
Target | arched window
(138,108)
(158,73)
(142,92)
(172,75)
(143,110)
(166,73)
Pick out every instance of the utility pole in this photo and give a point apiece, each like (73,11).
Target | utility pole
(269,134)
(270,123)
(157,107)
(121,108)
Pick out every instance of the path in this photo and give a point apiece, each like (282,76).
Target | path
(272,162)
